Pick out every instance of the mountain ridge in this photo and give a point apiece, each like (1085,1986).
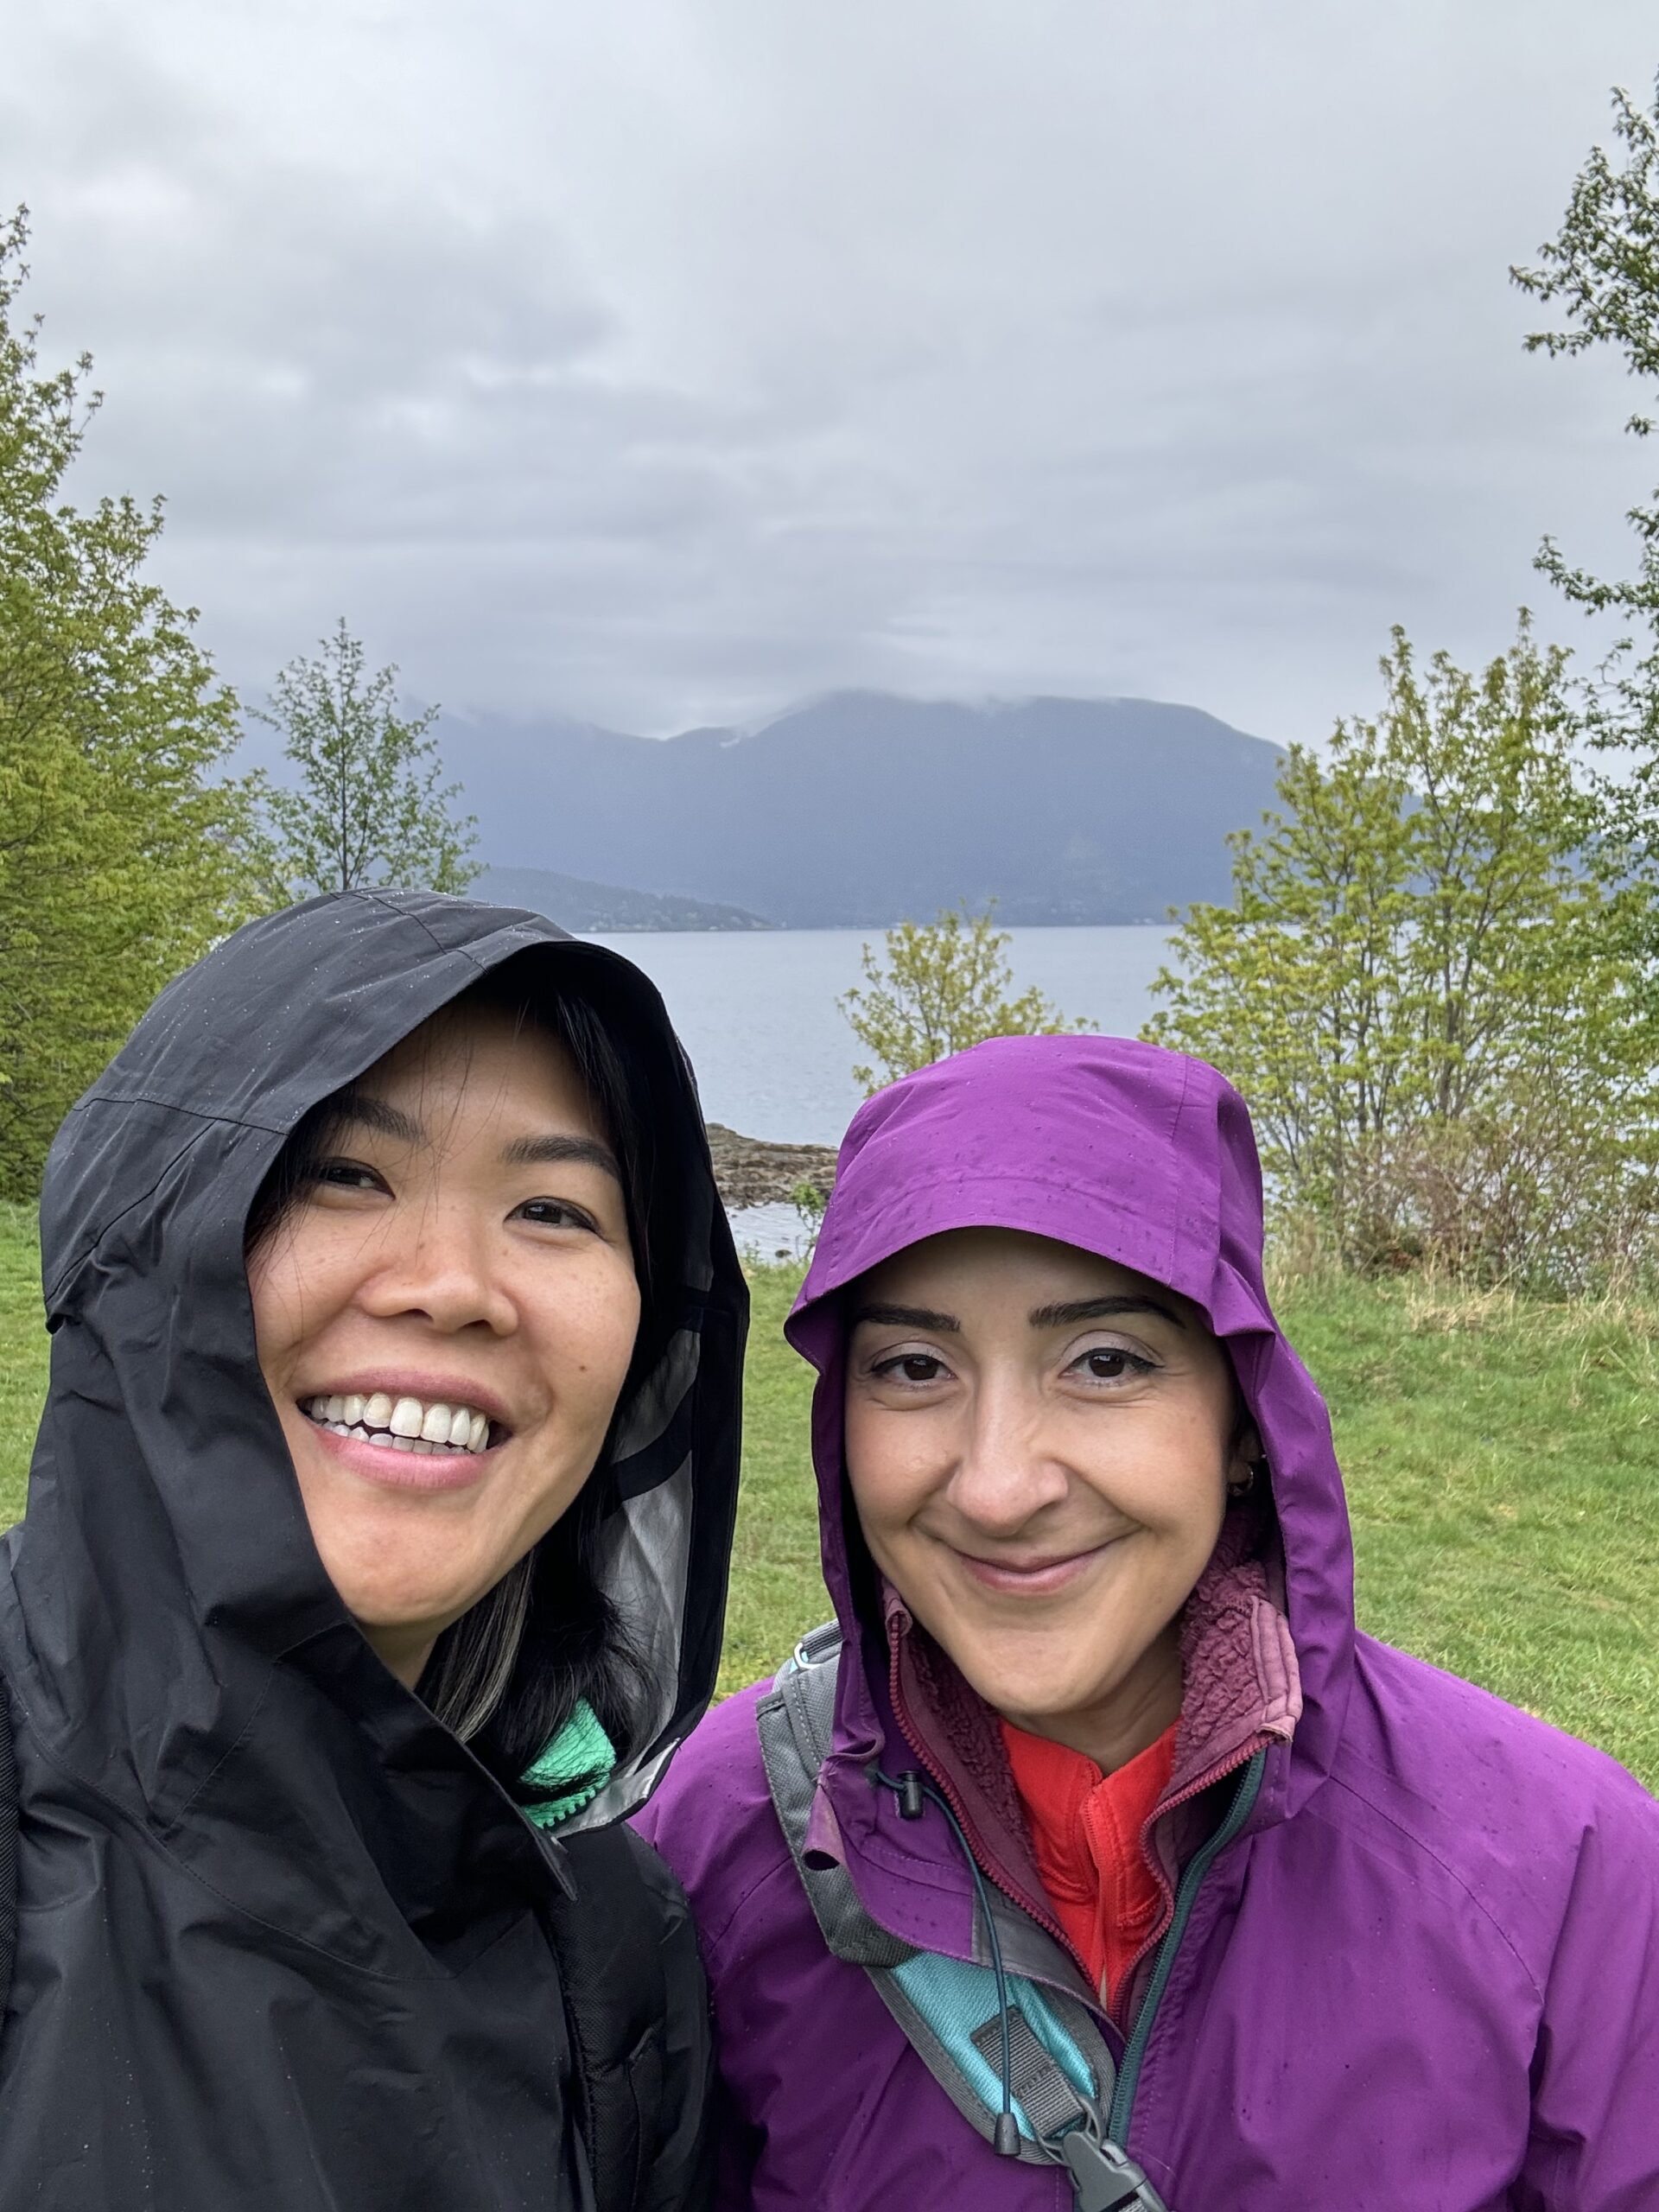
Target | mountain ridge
(576,903)
(859,809)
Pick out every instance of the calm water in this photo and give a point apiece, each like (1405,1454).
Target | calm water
(774,1056)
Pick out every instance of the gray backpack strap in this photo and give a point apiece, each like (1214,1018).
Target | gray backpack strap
(1061,2068)
(795,1719)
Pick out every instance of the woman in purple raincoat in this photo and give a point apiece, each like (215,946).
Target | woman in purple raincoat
(1380,1944)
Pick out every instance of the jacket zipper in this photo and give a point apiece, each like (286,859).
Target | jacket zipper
(1128,2074)
(1185,1795)
(988,1866)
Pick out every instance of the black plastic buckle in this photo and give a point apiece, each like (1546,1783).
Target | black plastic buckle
(1106,2179)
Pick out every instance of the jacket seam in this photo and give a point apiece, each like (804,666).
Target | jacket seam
(1417,1843)
(1174,1243)
(955,1178)
(79,1258)
(177,1106)
(717,1942)
(378,898)
(221,1762)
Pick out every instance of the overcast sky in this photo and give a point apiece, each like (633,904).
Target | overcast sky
(662,362)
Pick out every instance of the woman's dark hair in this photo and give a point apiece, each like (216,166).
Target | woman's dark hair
(510,1672)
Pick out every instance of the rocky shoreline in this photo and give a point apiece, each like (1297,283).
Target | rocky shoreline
(750,1171)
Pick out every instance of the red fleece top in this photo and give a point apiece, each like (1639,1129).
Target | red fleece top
(1085,1834)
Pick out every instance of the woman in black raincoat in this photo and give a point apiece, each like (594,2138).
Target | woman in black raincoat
(374,1563)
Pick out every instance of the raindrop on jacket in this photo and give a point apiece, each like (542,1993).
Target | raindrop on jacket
(282,1942)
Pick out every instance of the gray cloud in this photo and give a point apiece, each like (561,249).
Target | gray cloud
(658,364)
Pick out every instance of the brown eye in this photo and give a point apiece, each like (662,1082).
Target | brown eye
(554,1213)
(910,1367)
(1111,1363)
(347,1175)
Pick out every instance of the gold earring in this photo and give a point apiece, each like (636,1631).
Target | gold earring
(1242,1485)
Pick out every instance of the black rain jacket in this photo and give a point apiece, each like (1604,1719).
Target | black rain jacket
(283,1942)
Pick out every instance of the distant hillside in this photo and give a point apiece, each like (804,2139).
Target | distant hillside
(576,904)
(862,809)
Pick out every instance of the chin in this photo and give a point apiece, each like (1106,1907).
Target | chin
(397,1606)
(1016,1688)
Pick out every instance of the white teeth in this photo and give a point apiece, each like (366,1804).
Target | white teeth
(406,1418)
(413,1427)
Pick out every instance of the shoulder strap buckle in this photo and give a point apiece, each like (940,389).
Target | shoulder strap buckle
(1104,2179)
(819,1646)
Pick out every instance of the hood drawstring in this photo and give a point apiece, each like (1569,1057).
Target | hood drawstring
(914,1792)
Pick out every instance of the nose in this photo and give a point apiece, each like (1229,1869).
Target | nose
(1005,1472)
(437,1264)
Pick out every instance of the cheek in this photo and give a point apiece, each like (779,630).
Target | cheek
(893,1464)
(287,1290)
(587,1333)
(301,1280)
(1172,1479)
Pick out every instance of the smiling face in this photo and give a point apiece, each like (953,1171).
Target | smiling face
(445,1317)
(1039,1444)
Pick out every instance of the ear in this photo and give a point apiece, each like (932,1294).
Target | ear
(1245,1459)
(1245,1438)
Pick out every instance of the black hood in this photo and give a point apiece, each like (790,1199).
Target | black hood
(171,1637)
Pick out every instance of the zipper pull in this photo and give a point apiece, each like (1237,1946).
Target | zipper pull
(1106,2179)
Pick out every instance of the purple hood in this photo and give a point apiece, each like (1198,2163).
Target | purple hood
(1424,1974)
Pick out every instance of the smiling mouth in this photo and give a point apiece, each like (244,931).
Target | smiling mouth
(407,1424)
(1037,1577)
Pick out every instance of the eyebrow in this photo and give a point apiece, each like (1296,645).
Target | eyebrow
(552,1152)
(361,1110)
(1099,1309)
(1066,1316)
(908,1317)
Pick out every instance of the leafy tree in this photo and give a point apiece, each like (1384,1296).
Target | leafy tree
(123,847)
(368,806)
(1422,990)
(1602,270)
(943,987)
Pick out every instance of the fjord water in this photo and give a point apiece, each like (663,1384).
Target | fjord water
(757,1011)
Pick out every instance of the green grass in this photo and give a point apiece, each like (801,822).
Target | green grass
(1502,1457)
(23,1354)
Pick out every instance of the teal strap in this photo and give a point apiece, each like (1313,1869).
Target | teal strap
(572,1770)
(955,1999)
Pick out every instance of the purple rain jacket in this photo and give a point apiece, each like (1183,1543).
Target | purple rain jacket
(1424,1977)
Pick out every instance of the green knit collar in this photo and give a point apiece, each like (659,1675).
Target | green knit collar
(572,1770)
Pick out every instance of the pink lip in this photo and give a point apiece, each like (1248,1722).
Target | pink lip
(1039,1579)
(411,1382)
(391,1470)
